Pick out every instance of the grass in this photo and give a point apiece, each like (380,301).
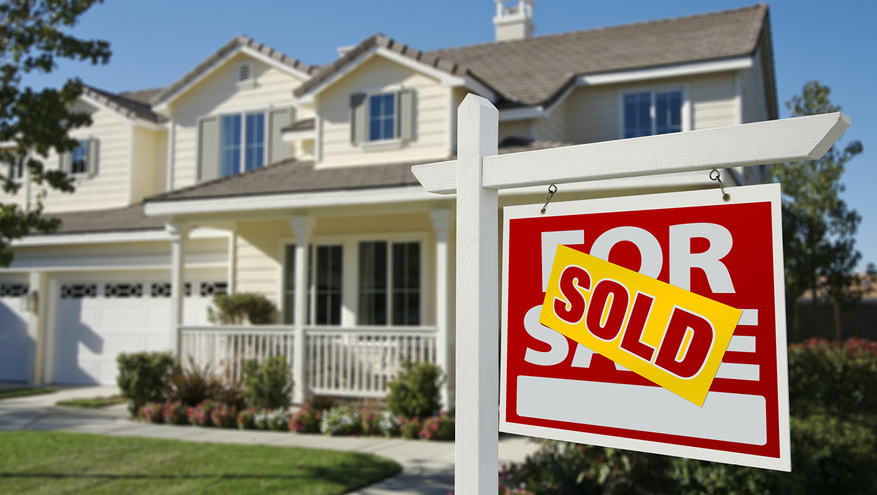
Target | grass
(24,392)
(93,402)
(61,463)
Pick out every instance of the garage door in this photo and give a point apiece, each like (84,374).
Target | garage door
(95,321)
(13,330)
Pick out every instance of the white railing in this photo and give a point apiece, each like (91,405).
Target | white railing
(358,361)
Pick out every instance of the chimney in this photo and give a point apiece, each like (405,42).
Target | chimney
(514,20)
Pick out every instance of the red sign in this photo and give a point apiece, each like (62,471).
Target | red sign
(730,252)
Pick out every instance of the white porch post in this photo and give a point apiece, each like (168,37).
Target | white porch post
(441,224)
(178,233)
(301,229)
(477,329)
(36,323)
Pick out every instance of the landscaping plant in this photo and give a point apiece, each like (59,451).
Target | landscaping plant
(241,307)
(193,384)
(143,377)
(416,391)
(305,420)
(268,385)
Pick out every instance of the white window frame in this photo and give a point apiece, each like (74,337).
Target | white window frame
(243,144)
(681,87)
(350,276)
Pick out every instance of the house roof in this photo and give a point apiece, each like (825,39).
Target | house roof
(235,44)
(130,218)
(534,71)
(293,176)
(129,105)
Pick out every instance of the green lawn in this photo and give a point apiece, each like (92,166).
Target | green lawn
(58,463)
(93,402)
(24,392)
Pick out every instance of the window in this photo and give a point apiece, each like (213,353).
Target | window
(15,169)
(242,142)
(389,283)
(382,117)
(82,160)
(233,143)
(647,113)
(326,284)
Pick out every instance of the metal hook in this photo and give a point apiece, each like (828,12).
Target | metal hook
(717,176)
(551,190)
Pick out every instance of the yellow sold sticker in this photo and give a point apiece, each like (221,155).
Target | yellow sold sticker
(669,335)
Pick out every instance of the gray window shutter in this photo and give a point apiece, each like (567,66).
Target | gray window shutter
(278,118)
(358,122)
(208,149)
(91,156)
(406,107)
(65,162)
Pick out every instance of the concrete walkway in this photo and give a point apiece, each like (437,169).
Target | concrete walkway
(427,467)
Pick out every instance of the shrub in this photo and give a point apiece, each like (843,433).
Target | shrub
(193,385)
(175,413)
(269,385)
(224,416)
(409,428)
(833,378)
(416,392)
(247,418)
(388,424)
(235,309)
(439,427)
(343,420)
(152,412)
(276,420)
(200,415)
(143,377)
(306,420)
(370,422)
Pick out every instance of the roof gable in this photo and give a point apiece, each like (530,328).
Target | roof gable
(122,105)
(238,44)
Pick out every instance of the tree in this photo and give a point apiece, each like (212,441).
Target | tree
(818,227)
(33,123)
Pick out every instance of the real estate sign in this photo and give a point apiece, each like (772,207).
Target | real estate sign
(681,297)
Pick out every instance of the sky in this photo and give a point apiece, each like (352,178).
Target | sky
(155,42)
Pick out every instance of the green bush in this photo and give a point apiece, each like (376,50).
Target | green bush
(416,391)
(241,307)
(268,385)
(833,378)
(143,377)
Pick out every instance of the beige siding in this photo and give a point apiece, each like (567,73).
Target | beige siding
(755,106)
(218,94)
(110,186)
(515,128)
(375,76)
(552,128)
(259,263)
(593,114)
(147,163)
(714,102)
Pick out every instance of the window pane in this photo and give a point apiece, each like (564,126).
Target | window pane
(230,145)
(668,112)
(289,285)
(637,115)
(328,285)
(382,117)
(79,158)
(372,283)
(255,152)
(406,283)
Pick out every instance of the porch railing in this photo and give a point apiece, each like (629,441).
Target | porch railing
(358,361)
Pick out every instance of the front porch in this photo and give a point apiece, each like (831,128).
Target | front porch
(343,362)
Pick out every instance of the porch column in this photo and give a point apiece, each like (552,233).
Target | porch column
(441,223)
(178,233)
(36,323)
(301,229)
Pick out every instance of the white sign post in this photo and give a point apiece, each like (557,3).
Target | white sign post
(478,174)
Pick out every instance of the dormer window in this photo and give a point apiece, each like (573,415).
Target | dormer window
(382,118)
(244,74)
(82,160)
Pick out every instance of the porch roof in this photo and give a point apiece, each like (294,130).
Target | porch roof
(293,176)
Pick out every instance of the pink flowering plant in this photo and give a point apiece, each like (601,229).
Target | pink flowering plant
(439,427)
(410,428)
(247,418)
(175,413)
(200,414)
(306,420)
(224,416)
(152,412)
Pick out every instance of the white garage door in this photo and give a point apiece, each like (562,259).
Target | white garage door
(13,330)
(97,320)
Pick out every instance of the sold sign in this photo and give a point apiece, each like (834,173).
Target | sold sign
(671,336)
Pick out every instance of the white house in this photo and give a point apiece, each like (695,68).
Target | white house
(256,172)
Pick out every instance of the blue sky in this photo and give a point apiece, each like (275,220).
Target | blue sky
(154,42)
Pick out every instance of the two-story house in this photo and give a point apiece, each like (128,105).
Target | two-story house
(256,172)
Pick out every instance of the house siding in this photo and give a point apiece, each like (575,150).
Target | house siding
(553,128)
(381,75)
(148,155)
(218,94)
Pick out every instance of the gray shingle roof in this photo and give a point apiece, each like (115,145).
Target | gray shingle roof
(294,177)
(124,103)
(130,218)
(535,70)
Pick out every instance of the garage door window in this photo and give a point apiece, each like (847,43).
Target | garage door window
(123,290)
(14,290)
(78,291)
